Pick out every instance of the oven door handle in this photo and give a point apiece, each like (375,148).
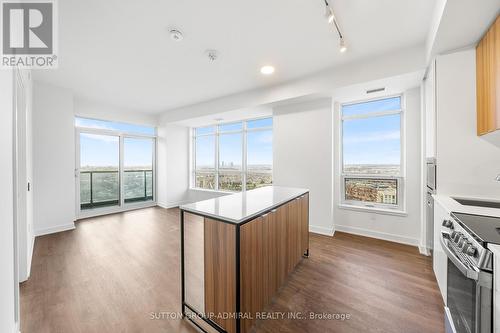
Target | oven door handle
(469,273)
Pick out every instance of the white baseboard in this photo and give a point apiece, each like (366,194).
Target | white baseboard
(321,230)
(424,250)
(172,205)
(57,228)
(378,235)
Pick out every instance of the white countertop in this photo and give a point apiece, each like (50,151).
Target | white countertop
(453,206)
(242,206)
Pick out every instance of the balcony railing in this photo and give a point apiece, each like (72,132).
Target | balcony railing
(102,188)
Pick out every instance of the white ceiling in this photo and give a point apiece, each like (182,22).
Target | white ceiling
(472,22)
(119,52)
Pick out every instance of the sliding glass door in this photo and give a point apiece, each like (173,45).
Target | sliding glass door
(115,166)
(99,171)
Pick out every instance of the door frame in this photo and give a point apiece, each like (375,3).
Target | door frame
(122,205)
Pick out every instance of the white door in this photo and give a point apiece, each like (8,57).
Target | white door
(29,168)
(24,202)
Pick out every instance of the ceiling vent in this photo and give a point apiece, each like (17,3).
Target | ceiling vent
(371,91)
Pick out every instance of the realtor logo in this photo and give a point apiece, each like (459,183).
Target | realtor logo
(28,34)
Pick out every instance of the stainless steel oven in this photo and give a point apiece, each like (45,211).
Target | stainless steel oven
(470,280)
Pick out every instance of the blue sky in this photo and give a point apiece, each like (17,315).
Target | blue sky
(387,104)
(230,149)
(259,149)
(375,140)
(259,144)
(103,150)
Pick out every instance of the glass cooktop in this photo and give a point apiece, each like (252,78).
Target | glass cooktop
(485,228)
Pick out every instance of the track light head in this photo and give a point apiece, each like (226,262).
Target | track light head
(329,15)
(342,46)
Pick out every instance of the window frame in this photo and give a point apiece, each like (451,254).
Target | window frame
(400,208)
(244,168)
(122,206)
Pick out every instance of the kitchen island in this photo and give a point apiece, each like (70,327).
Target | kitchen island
(237,251)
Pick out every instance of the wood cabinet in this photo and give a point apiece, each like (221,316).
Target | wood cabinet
(488,80)
(220,271)
(270,246)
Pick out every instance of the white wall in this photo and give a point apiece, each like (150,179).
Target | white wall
(172,165)
(302,156)
(466,164)
(430,111)
(403,229)
(7,283)
(173,168)
(53,159)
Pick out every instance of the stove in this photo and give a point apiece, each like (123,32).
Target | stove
(464,239)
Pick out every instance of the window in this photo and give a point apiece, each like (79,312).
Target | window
(234,156)
(116,163)
(372,154)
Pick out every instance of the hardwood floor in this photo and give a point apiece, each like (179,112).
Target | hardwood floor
(121,273)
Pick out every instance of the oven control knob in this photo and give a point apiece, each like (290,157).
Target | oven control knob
(461,242)
(457,238)
(453,234)
(470,250)
(448,224)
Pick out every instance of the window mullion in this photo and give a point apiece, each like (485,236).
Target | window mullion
(244,158)
(193,165)
(121,172)
(217,136)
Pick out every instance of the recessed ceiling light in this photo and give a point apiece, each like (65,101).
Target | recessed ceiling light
(267,70)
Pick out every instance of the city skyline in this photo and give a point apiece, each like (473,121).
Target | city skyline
(259,149)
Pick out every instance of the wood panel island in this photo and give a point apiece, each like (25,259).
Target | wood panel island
(237,251)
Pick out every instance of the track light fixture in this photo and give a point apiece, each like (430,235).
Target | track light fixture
(330,16)
(342,46)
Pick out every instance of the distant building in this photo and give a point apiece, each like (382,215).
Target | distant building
(387,196)
(361,191)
